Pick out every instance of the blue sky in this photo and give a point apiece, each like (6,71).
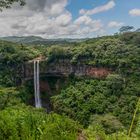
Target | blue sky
(119,13)
(69,18)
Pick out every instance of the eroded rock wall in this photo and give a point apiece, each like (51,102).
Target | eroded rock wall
(65,68)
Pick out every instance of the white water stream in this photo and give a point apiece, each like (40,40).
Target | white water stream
(37,85)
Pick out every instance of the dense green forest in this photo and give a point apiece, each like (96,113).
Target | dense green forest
(84,108)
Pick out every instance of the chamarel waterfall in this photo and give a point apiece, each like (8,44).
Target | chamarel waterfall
(37,85)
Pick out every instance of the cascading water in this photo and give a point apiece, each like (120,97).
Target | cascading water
(37,85)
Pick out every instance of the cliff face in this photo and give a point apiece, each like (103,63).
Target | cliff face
(65,68)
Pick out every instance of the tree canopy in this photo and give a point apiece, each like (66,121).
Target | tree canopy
(126,28)
(8,3)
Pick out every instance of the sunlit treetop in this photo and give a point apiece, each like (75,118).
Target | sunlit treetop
(8,3)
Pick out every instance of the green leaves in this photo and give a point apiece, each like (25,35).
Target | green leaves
(9,97)
(120,53)
(24,123)
(126,29)
(12,58)
(87,97)
(8,3)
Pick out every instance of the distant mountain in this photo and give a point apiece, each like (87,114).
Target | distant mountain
(24,39)
(36,40)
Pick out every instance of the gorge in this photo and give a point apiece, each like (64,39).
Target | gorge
(62,68)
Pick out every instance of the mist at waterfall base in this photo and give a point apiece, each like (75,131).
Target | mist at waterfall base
(37,85)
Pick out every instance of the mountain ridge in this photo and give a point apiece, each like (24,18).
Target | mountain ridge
(37,40)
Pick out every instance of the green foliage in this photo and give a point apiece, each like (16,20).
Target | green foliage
(12,58)
(9,97)
(56,52)
(115,53)
(100,134)
(81,99)
(103,106)
(131,38)
(94,132)
(109,123)
(22,123)
(8,3)
(126,28)
(137,128)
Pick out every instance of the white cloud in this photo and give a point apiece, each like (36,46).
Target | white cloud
(99,9)
(64,19)
(83,20)
(134,12)
(115,24)
(88,23)
(46,18)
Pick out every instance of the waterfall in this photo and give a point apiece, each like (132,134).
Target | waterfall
(37,85)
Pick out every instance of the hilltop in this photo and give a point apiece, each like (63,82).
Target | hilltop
(36,40)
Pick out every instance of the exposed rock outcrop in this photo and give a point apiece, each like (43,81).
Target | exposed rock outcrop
(65,68)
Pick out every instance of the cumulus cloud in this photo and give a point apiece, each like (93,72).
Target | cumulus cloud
(46,18)
(94,25)
(98,9)
(83,20)
(115,24)
(134,12)
(64,19)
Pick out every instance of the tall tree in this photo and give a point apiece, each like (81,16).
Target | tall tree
(8,3)
(126,29)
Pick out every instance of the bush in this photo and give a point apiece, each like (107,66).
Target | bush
(22,123)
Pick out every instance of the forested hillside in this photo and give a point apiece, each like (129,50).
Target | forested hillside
(36,40)
(83,108)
